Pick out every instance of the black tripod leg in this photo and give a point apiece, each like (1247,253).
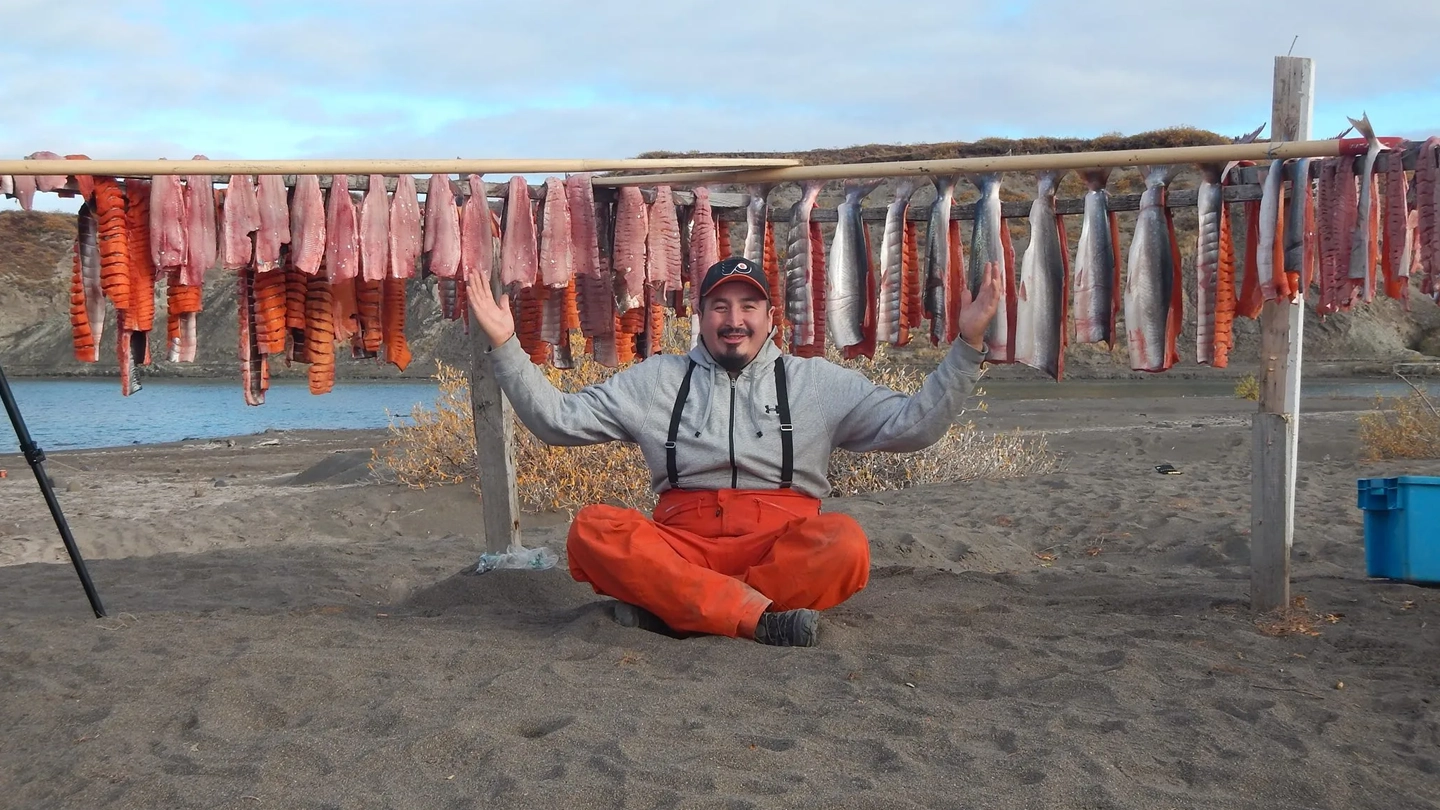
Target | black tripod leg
(36,458)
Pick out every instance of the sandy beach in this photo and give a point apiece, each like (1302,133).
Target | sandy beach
(1077,639)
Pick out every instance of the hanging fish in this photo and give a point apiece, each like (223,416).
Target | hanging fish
(631,229)
(849,273)
(1427,209)
(477,249)
(1361,268)
(888,316)
(307,224)
(90,271)
(1270,276)
(519,264)
(936,288)
(254,371)
(988,243)
(703,247)
(799,267)
(1151,320)
(1041,294)
(1298,248)
(757,215)
(663,264)
(1210,207)
(557,257)
(403,229)
(580,192)
(1097,264)
(1396,270)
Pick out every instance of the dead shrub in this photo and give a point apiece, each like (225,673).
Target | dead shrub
(1248,387)
(438,447)
(1402,428)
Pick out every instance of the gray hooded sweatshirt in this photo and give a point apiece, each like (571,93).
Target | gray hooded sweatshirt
(729,434)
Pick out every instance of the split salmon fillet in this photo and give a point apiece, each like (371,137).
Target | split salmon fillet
(307,225)
(404,230)
(375,231)
(274,230)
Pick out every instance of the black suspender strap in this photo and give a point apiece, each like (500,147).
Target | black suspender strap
(671,467)
(787,430)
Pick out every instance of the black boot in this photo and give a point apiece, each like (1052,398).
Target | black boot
(789,628)
(628,615)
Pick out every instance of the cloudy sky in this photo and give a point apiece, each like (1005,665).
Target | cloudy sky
(578,78)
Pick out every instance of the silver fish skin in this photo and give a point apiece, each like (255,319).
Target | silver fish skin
(985,246)
(1040,316)
(757,209)
(799,305)
(1149,275)
(1360,269)
(892,249)
(847,274)
(89,231)
(937,257)
(1095,265)
(1210,208)
(1265,268)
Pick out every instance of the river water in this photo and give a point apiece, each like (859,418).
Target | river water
(77,414)
(73,414)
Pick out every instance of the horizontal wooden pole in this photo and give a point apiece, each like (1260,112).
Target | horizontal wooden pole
(1220,153)
(1010,210)
(151,168)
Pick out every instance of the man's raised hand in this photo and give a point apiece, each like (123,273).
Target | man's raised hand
(977,311)
(493,317)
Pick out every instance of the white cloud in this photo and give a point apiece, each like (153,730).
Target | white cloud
(583,79)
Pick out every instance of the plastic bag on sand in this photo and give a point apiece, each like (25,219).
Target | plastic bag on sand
(533,559)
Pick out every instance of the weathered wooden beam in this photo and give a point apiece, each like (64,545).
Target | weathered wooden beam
(494,448)
(1275,431)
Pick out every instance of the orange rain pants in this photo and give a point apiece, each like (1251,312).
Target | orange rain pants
(712,561)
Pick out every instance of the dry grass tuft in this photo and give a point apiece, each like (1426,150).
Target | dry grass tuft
(1402,428)
(439,448)
(1248,387)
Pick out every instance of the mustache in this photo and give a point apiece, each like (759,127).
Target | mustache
(737,330)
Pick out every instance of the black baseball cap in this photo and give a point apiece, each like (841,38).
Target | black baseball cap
(735,268)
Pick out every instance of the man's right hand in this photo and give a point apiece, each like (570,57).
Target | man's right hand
(493,317)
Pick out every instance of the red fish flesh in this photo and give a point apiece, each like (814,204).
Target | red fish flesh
(307,225)
(442,228)
(404,230)
(476,236)
(342,232)
(631,228)
(557,257)
(583,235)
(241,218)
(519,264)
(167,222)
(375,231)
(663,264)
(201,246)
(704,246)
(1427,210)
(270,197)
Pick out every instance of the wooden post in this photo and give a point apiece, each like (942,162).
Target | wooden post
(494,448)
(1275,430)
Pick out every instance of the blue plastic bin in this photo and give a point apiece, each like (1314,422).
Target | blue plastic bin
(1402,527)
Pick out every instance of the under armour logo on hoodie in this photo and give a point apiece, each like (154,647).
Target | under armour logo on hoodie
(769,409)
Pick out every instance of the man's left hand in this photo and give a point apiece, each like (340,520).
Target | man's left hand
(977,311)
